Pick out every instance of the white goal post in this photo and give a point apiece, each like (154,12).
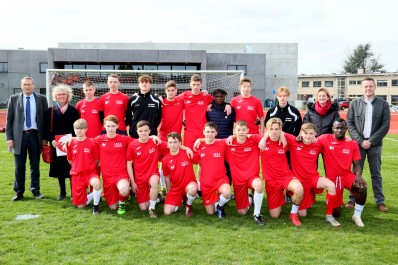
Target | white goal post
(227,80)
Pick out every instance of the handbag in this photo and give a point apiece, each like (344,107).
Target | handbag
(46,150)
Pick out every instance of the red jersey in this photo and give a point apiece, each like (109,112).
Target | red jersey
(243,159)
(303,158)
(145,157)
(113,154)
(274,162)
(115,104)
(248,109)
(171,117)
(338,155)
(84,155)
(179,168)
(211,158)
(90,112)
(195,110)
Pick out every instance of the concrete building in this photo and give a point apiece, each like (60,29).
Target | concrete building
(348,86)
(270,65)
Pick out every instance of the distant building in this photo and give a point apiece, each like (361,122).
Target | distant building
(270,65)
(348,86)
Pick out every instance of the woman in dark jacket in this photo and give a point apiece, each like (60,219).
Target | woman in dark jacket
(322,113)
(59,121)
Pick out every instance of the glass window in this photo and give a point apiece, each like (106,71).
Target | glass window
(305,83)
(317,83)
(79,66)
(43,91)
(352,82)
(136,67)
(359,82)
(381,82)
(178,67)
(191,67)
(231,67)
(164,67)
(68,66)
(238,67)
(43,67)
(107,67)
(328,83)
(394,82)
(383,97)
(394,99)
(93,67)
(150,67)
(3,67)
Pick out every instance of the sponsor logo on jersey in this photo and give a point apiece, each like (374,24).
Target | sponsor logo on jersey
(331,147)
(82,110)
(281,151)
(288,119)
(188,102)
(312,152)
(346,151)
(74,151)
(138,153)
(103,144)
(152,150)
(202,154)
(233,149)
(217,155)
(172,167)
(250,108)
(151,105)
(94,111)
(118,144)
(119,102)
(238,107)
(247,149)
(184,163)
(106,101)
(200,102)
(87,150)
(298,148)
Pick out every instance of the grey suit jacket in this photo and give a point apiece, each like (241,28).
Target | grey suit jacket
(15,119)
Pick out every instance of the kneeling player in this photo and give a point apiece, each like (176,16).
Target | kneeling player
(113,148)
(213,178)
(277,175)
(83,155)
(180,177)
(304,156)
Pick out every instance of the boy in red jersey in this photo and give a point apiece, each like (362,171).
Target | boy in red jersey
(180,177)
(304,166)
(115,178)
(277,175)
(248,108)
(89,110)
(339,156)
(243,158)
(210,156)
(115,103)
(83,155)
(142,166)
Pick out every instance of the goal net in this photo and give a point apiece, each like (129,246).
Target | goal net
(227,80)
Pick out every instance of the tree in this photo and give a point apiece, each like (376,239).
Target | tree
(362,57)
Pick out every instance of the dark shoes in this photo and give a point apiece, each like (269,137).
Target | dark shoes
(61,197)
(96,209)
(258,219)
(17,197)
(221,212)
(382,207)
(38,196)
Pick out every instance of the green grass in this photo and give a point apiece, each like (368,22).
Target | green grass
(66,235)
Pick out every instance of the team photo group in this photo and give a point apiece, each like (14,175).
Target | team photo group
(114,147)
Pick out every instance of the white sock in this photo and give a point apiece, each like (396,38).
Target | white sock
(97,196)
(295,208)
(258,202)
(152,204)
(199,185)
(358,209)
(162,180)
(190,199)
(175,208)
(89,198)
(222,201)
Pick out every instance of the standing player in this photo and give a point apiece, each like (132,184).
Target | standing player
(339,156)
(144,106)
(115,178)
(304,164)
(243,158)
(83,155)
(114,103)
(214,181)
(248,108)
(277,175)
(142,166)
(180,177)
(172,111)
(89,110)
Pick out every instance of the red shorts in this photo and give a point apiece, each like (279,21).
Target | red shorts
(274,189)
(342,182)
(111,191)
(210,196)
(310,191)
(144,187)
(191,137)
(174,196)
(80,183)
(242,195)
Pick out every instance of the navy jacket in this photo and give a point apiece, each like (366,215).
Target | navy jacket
(224,123)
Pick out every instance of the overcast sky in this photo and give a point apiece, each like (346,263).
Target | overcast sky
(325,30)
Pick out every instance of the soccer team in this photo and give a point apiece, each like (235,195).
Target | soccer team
(129,164)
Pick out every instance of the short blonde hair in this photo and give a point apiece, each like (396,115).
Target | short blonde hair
(272,121)
(283,89)
(62,88)
(80,124)
(308,126)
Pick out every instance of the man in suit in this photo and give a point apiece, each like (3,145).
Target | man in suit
(24,132)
